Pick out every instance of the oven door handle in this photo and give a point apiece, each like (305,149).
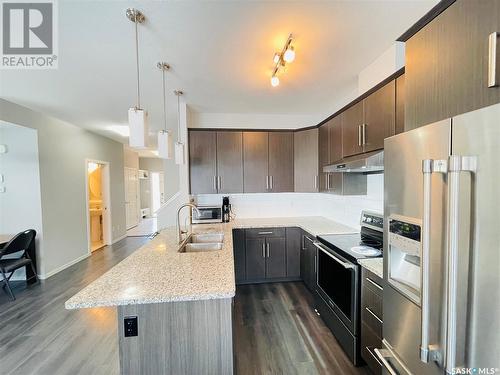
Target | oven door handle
(342,263)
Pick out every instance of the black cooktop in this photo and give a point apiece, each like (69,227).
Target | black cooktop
(344,242)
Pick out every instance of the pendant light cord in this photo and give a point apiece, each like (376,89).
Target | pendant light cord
(137,64)
(164,100)
(178,120)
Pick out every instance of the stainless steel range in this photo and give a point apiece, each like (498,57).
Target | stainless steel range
(339,279)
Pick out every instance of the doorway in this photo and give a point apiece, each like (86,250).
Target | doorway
(98,206)
(157,191)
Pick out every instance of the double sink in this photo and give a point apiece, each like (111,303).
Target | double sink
(201,242)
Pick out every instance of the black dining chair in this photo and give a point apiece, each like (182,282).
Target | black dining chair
(20,243)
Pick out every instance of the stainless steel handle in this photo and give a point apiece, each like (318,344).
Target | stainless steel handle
(268,250)
(342,263)
(382,354)
(219,182)
(272,182)
(310,239)
(492,59)
(359,135)
(270,232)
(374,315)
(316,179)
(315,263)
(374,283)
(267,182)
(263,250)
(456,164)
(328,181)
(363,134)
(215,183)
(424,292)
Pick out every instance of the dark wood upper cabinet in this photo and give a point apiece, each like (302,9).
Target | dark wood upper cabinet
(255,161)
(379,117)
(306,160)
(446,69)
(230,161)
(400,104)
(336,139)
(281,162)
(323,155)
(203,162)
(351,130)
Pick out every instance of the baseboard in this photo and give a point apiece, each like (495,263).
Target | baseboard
(118,239)
(64,266)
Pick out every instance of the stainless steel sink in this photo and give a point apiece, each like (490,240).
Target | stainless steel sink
(200,247)
(202,242)
(207,238)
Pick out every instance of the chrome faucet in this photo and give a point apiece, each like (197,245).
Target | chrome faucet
(180,232)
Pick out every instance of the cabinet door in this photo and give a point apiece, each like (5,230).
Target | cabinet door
(446,68)
(305,260)
(239,255)
(335,139)
(312,251)
(324,154)
(306,161)
(351,130)
(230,162)
(255,162)
(281,161)
(379,117)
(276,258)
(202,162)
(293,250)
(400,104)
(255,258)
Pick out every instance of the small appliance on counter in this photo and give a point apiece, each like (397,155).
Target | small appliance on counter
(226,210)
(207,215)
(338,297)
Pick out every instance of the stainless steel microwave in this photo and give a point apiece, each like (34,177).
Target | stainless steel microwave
(207,214)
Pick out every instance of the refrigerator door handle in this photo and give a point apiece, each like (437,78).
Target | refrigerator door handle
(427,351)
(456,165)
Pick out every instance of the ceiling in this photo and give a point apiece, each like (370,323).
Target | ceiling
(220,53)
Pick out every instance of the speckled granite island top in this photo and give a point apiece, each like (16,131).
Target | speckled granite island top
(158,273)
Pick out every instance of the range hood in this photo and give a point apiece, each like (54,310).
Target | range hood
(372,162)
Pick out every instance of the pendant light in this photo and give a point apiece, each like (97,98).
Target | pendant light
(137,116)
(179,146)
(164,135)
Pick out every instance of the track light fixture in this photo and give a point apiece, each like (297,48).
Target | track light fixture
(287,55)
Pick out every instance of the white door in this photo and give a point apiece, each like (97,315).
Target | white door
(131,197)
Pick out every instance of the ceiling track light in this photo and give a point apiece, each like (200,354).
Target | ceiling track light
(280,59)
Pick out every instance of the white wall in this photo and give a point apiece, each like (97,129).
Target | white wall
(386,64)
(20,204)
(63,149)
(252,120)
(130,158)
(343,209)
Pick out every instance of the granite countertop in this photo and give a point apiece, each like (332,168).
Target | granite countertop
(158,273)
(375,265)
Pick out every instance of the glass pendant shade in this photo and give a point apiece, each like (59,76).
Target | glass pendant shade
(164,144)
(138,124)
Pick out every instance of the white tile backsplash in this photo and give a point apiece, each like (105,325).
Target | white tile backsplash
(343,209)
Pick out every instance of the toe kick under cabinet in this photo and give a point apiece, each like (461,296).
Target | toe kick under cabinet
(371,318)
(266,254)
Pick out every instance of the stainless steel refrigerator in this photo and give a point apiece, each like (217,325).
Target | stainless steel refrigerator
(442,247)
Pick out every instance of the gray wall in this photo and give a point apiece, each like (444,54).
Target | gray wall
(63,149)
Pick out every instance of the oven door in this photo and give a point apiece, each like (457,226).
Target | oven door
(338,284)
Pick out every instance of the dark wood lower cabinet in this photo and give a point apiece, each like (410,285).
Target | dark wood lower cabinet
(371,318)
(267,254)
(309,262)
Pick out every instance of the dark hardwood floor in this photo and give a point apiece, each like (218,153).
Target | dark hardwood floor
(276,330)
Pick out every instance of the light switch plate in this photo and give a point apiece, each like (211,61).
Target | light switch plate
(3,149)
(2,178)
(2,189)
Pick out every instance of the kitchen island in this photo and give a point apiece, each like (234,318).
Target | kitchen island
(182,302)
